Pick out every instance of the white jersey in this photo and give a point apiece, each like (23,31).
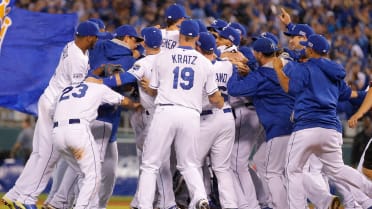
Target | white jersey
(222,72)
(181,75)
(81,101)
(170,39)
(72,69)
(142,68)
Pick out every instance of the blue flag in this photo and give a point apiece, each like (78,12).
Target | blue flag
(30,46)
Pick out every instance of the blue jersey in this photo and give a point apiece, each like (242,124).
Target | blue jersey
(110,52)
(273,105)
(105,52)
(318,85)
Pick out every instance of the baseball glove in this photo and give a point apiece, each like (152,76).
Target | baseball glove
(110,69)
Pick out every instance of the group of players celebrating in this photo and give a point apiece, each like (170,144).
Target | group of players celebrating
(260,121)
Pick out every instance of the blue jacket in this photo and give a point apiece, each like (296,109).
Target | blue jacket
(273,105)
(104,52)
(107,51)
(318,86)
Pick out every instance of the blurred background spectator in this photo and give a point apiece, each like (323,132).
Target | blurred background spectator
(22,147)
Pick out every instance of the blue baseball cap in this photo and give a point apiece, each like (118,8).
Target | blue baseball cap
(206,41)
(217,24)
(175,12)
(299,30)
(318,43)
(265,45)
(88,28)
(247,52)
(267,35)
(152,37)
(99,22)
(202,27)
(127,30)
(241,29)
(189,28)
(231,34)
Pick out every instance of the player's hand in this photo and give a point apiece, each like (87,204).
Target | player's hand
(243,69)
(284,17)
(277,64)
(353,121)
(93,80)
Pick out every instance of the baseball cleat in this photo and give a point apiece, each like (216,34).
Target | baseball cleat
(7,202)
(202,204)
(335,203)
(19,205)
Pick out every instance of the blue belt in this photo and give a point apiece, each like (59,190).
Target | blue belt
(166,104)
(209,112)
(70,121)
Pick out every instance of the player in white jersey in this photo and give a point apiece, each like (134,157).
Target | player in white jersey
(180,77)
(72,68)
(174,15)
(72,135)
(217,126)
(142,71)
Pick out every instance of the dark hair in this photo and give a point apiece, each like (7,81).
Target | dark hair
(271,54)
(171,22)
(121,38)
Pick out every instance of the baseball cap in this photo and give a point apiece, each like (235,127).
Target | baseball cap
(299,30)
(264,45)
(175,12)
(206,41)
(152,37)
(240,28)
(189,28)
(99,22)
(231,34)
(247,52)
(318,43)
(217,24)
(202,27)
(127,30)
(267,35)
(88,28)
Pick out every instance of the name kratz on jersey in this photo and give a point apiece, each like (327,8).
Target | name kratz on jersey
(184,59)
(169,43)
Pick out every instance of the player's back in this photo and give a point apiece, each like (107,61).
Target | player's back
(82,101)
(170,39)
(180,76)
(72,68)
(222,70)
(142,68)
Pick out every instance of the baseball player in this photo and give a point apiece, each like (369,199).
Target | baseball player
(174,15)
(365,162)
(142,71)
(273,108)
(180,77)
(246,123)
(72,68)
(316,83)
(72,135)
(217,126)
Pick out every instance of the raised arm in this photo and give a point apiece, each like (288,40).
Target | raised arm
(283,79)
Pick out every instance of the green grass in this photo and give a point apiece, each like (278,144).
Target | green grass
(116,202)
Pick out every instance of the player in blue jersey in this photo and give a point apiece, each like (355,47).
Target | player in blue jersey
(273,108)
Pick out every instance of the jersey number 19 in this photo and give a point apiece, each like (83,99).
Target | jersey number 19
(187,76)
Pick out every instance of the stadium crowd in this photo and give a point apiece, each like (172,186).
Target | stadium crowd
(346,24)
